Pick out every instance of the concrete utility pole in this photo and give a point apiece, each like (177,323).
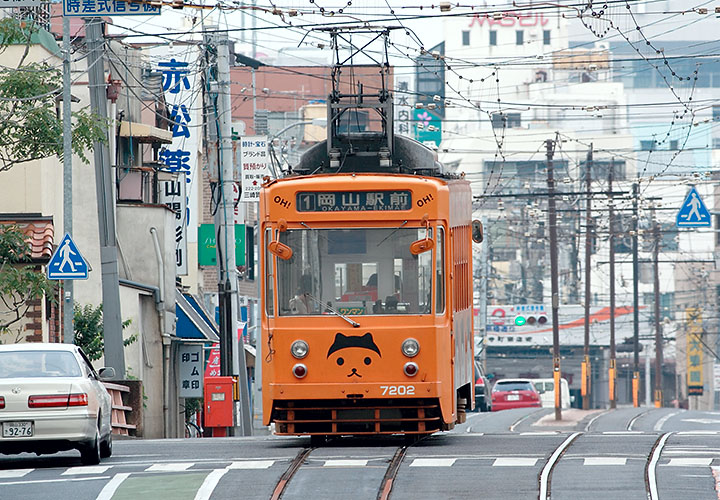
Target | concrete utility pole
(636,305)
(586,369)
(482,317)
(612,373)
(68,295)
(552,223)
(112,323)
(658,326)
(232,353)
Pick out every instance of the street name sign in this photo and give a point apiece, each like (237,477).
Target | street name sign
(67,263)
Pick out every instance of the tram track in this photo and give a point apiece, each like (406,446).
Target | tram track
(386,484)
(545,476)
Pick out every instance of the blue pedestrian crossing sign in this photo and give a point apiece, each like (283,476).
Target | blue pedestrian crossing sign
(67,263)
(693,212)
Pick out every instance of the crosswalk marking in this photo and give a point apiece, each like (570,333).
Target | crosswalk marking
(433,462)
(604,461)
(688,462)
(97,469)
(345,463)
(514,462)
(172,467)
(14,473)
(251,464)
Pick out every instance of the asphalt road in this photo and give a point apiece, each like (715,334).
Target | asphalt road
(628,453)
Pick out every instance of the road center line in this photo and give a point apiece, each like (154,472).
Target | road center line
(661,422)
(208,486)
(111,487)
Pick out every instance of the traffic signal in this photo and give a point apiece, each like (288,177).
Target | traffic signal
(530,320)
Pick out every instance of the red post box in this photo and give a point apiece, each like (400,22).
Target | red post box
(219,402)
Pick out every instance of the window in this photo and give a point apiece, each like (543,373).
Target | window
(440,271)
(716,113)
(519,37)
(673,145)
(466,38)
(546,37)
(355,272)
(507,120)
(647,145)
(493,37)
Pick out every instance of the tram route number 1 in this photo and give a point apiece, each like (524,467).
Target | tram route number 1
(398,390)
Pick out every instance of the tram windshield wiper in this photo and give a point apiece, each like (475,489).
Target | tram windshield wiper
(330,308)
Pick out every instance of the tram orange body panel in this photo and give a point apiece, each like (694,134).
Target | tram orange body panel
(357,379)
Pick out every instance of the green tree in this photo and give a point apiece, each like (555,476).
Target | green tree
(20,281)
(30,126)
(89,330)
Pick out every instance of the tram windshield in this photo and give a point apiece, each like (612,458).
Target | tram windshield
(360,271)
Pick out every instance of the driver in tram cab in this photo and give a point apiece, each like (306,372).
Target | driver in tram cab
(301,302)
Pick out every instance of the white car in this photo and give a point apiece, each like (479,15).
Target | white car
(51,399)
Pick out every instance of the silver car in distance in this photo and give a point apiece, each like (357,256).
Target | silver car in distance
(52,399)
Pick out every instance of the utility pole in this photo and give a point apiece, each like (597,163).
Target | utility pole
(612,373)
(636,312)
(232,353)
(586,368)
(658,327)
(112,323)
(482,317)
(67,286)
(552,223)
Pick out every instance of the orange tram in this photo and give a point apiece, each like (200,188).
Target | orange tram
(367,324)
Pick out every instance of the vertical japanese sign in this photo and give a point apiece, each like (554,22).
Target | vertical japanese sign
(255,165)
(173,194)
(212,369)
(190,371)
(693,320)
(181,155)
(403,105)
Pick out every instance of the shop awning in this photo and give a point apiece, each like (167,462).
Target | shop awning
(192,320)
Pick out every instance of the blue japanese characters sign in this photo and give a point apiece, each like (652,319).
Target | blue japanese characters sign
(88,8)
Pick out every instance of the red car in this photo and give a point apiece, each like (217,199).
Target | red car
(514,393)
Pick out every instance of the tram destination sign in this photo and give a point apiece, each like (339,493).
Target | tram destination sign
(353,201)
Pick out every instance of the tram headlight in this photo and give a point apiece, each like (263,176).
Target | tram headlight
(299,349)
(410,348)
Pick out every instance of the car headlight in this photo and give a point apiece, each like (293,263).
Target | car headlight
(410,348)
(299,349)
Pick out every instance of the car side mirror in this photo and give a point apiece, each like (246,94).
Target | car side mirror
(106,373)
(420,246)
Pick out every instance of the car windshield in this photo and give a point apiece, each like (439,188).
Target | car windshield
(354,272)
(513,386)
(14,364)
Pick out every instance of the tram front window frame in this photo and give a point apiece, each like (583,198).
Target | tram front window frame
(356,271)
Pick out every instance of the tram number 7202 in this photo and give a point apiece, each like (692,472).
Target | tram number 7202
(397,390)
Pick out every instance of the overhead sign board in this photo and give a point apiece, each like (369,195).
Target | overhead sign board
(693,212)
(67,263)
(90,8)
(255,164)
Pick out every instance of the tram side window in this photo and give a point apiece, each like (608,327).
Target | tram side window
(440,271)
(269,275)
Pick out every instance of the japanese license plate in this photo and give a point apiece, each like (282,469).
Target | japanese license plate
(513,397)
(17,429)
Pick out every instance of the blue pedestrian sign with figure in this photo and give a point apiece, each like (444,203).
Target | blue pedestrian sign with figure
(67,263)
(693,212)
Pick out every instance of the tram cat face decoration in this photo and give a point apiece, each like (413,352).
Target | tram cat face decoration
(353,352)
